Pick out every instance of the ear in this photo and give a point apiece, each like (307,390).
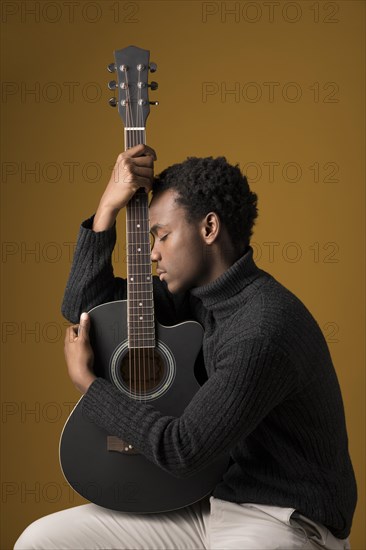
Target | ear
(210,227)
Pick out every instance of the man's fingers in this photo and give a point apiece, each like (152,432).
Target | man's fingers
(142,171)
(138,176)
(84,325)
(127,168)
(146,173)
(140,151)
(71,333)
(126,163)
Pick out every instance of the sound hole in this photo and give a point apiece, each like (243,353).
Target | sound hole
(142,371)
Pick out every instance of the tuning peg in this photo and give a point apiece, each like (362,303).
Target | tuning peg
(112,102)
(154,102)
(153,85)
(112,85)
(112,67)
(153,67)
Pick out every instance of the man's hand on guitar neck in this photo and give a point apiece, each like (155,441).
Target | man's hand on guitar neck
(133,169)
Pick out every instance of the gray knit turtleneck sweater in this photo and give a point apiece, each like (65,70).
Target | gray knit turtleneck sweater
(272,397)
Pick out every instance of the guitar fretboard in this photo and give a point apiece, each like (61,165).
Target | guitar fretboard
(141,325)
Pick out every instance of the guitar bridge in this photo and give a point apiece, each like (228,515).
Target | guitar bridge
(118,445)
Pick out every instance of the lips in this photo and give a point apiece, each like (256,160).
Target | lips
(160,273)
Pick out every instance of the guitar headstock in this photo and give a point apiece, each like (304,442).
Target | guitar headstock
(132,66)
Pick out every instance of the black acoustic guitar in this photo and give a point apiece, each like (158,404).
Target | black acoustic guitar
(148,362)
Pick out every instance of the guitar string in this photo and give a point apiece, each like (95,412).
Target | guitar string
(138,138)
(145,223)
(128,122)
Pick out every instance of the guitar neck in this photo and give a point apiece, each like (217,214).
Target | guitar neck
(140,300)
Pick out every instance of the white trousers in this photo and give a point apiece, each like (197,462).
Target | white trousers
(208,524)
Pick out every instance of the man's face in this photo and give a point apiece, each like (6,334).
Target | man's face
(179,248)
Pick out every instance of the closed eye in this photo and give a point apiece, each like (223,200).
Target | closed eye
(163,238)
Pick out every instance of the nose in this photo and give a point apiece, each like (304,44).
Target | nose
(155,254)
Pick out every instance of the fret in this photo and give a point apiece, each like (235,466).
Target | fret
(140,329)
(138,296)
(136,336)
(140,340)
(140,332)
(140,277)
(140,263)
(135,296)
(146,315)
(147,337)
(137,282)
(142,346)
(139,311)
(144,264)
(134,339)
(141,316)
(137,216)
(141,337)
(139,291)
(134,301)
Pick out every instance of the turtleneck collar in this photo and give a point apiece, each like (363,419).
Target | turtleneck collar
(217,295)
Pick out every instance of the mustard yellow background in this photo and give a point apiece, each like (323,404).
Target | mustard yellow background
(294,120)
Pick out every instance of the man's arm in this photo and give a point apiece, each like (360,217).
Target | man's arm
(251,377)
(91,281)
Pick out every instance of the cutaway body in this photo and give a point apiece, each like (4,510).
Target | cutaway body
(108,471)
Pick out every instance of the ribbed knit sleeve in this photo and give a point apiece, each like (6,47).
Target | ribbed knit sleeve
(250,378)
(91,281)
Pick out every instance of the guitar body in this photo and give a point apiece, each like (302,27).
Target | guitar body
(128,481)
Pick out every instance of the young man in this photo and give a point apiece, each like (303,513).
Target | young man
(271,400)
